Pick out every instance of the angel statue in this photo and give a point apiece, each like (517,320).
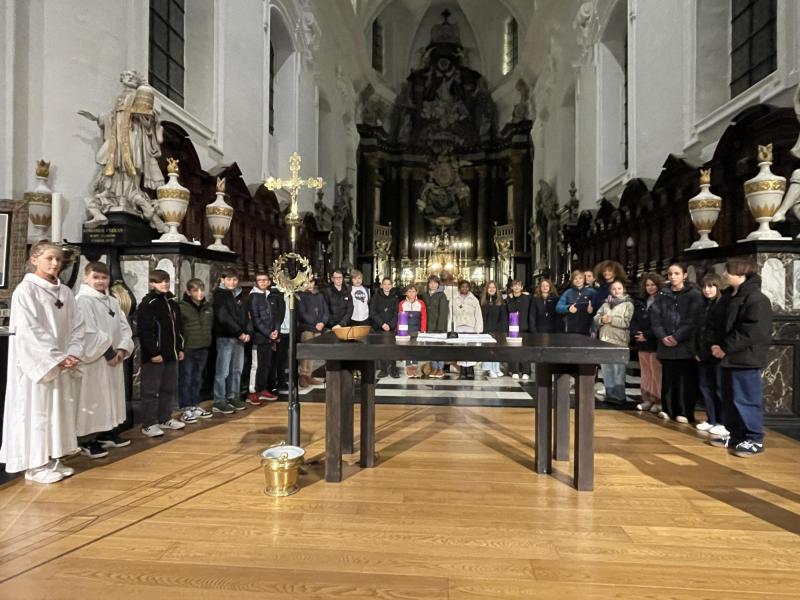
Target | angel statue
(791,200)
(132,137)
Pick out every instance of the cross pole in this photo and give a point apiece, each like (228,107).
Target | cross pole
(292,282)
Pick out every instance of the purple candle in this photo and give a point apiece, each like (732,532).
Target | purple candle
(513,325)
(402,324)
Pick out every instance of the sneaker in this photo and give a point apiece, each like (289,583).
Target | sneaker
(267,395)
(599,391)
(394,372)
(382,375)
(315,381)
(112,440)
(720,442)
(499,373)
(437,374)
(704,426)
(59,467)
(515,376)
(237,403)
(655,409)
(187,415)
(152,431)
(252,399)
(681,419)
(43,474)
(202,413)
(719,431)
(748,448)
(644,406)
(525,377)
(223,408)
(492,375)
(663,415)
(173,424)
(93,450)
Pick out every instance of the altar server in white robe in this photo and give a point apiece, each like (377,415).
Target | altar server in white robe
(107,343)
(43,377)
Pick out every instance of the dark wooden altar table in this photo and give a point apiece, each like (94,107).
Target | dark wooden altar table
(559,355)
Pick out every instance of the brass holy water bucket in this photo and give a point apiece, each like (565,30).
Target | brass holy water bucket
(281,464)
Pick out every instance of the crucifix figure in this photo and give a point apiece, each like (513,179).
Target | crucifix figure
(291,283)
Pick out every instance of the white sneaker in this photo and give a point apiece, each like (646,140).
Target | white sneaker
(719,431)
(525,377)
(646,405)
(499,374)
(152,431)
(681,419)
(704,426)
(188,416)
(663,415)
(173,424)
(43,474)
(202,413)
(515,376)
(492,375)
(56,465)
(656,408)
(600,392)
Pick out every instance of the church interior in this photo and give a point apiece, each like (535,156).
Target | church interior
(400,156)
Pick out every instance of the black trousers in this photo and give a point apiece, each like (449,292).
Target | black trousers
(518,367)
(263,366)
(159,391)
(278,377)
(679,387)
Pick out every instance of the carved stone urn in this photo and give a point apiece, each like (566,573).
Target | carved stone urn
(764,194)
(40,203)
(704,209)
(173,202)
(219,215)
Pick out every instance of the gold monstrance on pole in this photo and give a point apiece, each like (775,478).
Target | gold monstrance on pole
(289,283)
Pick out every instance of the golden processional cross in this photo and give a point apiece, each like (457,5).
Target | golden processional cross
(291,284)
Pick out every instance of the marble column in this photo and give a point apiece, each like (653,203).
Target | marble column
(483,214)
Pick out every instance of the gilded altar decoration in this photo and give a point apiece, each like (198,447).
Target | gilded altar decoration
(764,194)
(704,209)
(219,215)
(173,202)
(128,156)
(445,195)
(40,203)
(284,280)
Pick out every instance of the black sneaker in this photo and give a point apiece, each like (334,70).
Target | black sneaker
(93,450)
(382,375)
(720,442)
(395,373)
(113,441)
(748,448)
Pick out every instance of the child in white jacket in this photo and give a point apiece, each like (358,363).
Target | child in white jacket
(467,318)
(614,320)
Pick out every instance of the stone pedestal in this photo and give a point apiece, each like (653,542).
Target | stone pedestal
(779,266)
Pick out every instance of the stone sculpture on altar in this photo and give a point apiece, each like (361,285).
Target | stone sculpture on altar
(445,195)
(132,137)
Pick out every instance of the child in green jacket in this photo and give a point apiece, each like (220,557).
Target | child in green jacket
(198,320)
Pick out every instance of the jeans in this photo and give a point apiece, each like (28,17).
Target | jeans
(491,367)
(228,372)
(158,390)
(437,364)
(191,376)
(614,381)
(709,377)
(743,413)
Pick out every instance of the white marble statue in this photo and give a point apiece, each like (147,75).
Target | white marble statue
(791,200)
(132,137)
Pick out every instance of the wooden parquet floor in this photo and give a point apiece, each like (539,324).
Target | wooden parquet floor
(453,510)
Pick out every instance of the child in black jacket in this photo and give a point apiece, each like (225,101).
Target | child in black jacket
(233,328)
(161,348)
(646,343)
(708,368)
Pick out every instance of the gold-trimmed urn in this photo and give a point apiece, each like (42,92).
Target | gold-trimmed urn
(704,209)
(764,194)
(173,202)
(219,215)
(40,203)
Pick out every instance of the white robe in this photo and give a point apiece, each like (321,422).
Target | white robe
(101,402)
(39,418)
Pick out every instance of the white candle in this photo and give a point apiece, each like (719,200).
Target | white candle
(56,218)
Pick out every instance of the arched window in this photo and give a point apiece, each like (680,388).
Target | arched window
(510,46)
(377,46)
(166,65)
(753,42)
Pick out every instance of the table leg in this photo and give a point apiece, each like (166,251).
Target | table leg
(348,391)
(333,421)
(561,405)
(544,389)
(584,428)
(368,415)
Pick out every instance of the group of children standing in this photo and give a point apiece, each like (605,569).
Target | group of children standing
(66,385)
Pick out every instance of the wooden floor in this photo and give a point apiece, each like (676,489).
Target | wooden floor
(452,511)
